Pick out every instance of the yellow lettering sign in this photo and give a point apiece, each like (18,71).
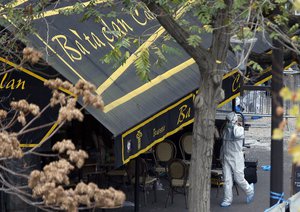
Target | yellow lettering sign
(88,39)
(106,35)
(149,15)
(97,40)
(235,83)
(158,131)
(135,14)
(184,113)
(21,83)
(124,25)
(71,52)
(81,48)
(11,84)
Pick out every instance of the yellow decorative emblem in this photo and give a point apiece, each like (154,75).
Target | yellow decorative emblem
(139,136)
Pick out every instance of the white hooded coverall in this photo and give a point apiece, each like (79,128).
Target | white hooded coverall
(232,157)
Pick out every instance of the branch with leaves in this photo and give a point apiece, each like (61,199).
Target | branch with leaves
(50,184)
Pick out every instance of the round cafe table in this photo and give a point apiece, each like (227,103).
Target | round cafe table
(108,208)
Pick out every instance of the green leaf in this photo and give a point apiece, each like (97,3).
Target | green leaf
(274,35)
(195,29)
(194,40)
(142,65)
(160,56)
(208,28)
(244,33)
(281,19)
(255,66)
(219,4)
(170,50)
(296,4)
(294,28)
(237,48)
(117,56)
(280,1)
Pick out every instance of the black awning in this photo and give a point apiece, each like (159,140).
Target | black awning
(28,84)
(75,48)
(138,114)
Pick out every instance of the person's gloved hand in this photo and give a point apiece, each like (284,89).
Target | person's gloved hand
(230,124)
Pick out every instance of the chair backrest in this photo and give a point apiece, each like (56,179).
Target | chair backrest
(177,169)
(143,169)
(185,144)
(165,151)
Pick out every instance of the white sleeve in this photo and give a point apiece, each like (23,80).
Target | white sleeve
(238,132)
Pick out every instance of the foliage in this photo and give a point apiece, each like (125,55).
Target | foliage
(246,20)
(293,97)
(50,184)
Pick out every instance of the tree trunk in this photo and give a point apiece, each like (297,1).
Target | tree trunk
(203,140)
(210,63)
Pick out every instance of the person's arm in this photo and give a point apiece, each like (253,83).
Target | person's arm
(238,132)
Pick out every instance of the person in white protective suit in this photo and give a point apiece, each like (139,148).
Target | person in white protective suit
(232,159)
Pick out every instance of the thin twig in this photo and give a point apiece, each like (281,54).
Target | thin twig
(35,118)
(44,155)
(36,128)
(14,173)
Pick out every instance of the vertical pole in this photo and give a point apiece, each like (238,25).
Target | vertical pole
(233,104)
(136,185)
(276,145)
(3,208)
(293,190)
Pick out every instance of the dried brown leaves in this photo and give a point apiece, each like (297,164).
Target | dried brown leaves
(24,109)
(10,145)
(75,156)
(48,184)
(63,146)
(3,114)
(31,55)
(68,110)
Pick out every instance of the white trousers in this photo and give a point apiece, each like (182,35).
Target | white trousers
(234,169)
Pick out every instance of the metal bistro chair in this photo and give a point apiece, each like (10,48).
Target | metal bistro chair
(185,144)
(164,153)
(178,179)
(145,180)
(117,176)
(217,179)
